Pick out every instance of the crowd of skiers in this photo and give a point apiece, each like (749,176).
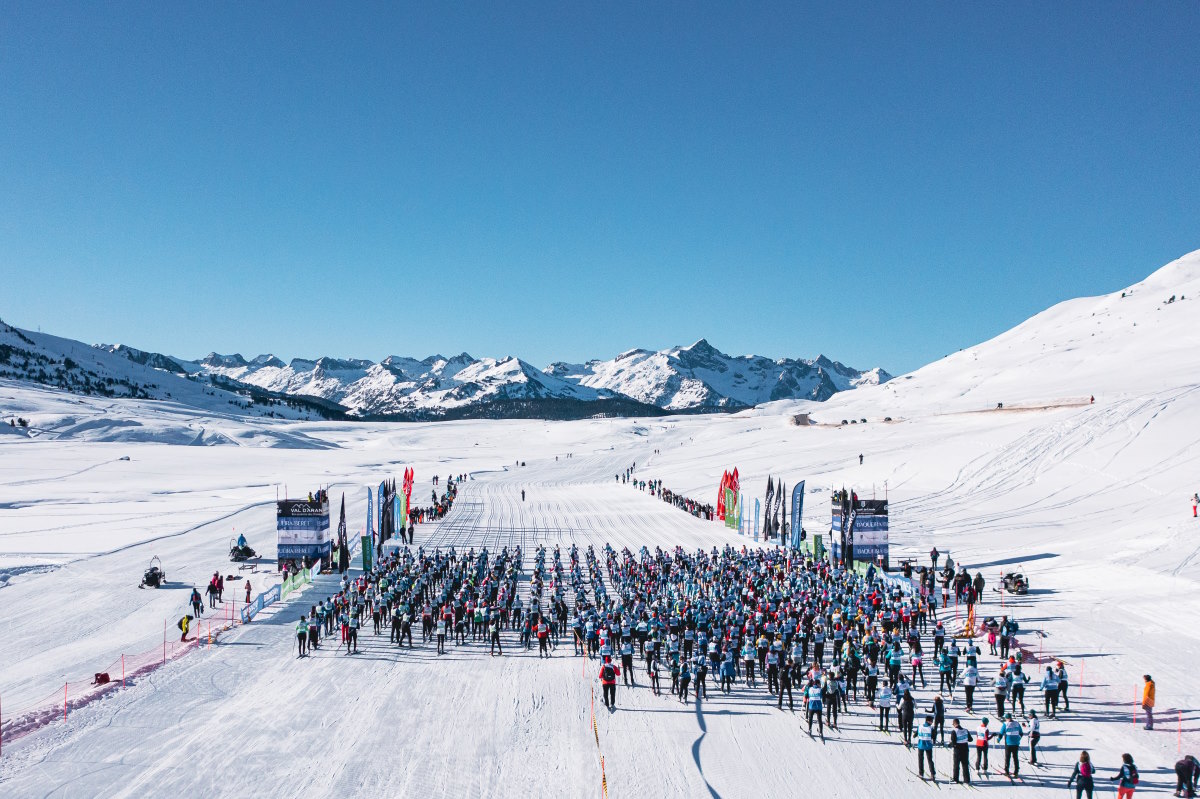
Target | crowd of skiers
(761,620)
(698,509)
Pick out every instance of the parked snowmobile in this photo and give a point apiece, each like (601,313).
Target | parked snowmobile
(1015,583)
(238,554)
(154,576)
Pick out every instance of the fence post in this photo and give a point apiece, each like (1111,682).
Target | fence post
(64,701)
(122,671)
(164,641)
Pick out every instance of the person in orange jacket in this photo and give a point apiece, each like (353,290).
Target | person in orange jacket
(609,672)
(1148,700)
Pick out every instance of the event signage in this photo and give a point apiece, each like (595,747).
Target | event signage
(797,515)
(864,528)
(302,529)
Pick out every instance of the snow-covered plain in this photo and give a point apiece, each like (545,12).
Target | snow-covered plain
(1090,500)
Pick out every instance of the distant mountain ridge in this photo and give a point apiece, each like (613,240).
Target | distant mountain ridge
(697,378)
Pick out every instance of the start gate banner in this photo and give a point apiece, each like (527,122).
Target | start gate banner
(302,529)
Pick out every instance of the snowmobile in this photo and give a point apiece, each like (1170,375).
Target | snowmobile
(1015,583)
(238,554)
(154,576)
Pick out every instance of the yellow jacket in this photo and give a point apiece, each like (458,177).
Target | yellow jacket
(1148,694)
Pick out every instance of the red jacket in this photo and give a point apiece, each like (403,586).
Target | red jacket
(616,672)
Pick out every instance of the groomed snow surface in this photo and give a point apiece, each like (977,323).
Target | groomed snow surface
(1092,501)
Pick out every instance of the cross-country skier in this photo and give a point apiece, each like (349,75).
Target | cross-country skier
(1012,732)
(925,749)
(302,636)
(608,683)
(961,741)
(1127,778)
(982,737)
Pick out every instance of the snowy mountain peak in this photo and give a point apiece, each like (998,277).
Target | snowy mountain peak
(223,361)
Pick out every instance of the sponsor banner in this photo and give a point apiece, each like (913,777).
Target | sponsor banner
(297,551)
(797,513)
(302,528)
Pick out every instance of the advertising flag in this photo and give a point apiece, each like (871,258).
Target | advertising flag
(797,514)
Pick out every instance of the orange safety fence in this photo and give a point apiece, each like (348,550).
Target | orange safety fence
(20,720)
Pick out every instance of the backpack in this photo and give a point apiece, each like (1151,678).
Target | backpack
(1133,774)
(607,673)
(1085,769)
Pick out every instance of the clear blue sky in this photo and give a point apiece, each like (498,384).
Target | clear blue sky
(881,183)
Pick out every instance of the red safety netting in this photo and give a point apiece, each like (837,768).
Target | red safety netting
(17,721)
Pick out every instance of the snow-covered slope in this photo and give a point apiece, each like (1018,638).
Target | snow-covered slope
(118,371)
(1128,342)
(701,376)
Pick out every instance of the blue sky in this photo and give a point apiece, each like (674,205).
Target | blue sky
(881,183)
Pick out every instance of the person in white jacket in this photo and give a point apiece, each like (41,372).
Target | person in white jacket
(884,699)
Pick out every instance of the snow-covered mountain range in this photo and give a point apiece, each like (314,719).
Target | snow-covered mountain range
(637,382)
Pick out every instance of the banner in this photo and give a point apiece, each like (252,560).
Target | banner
(732,511)
(862,524)
(380,496)
(782,512)
(370,515)
(302,529)
(756,518)
(742,516)
(767,509)
(721,489)
(368,552)
(797,514)
(396,522)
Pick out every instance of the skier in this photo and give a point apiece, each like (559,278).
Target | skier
(961,740)
(522,495)
(496,637)
(302,636)
(860,459)
(785,684)
(813,708)
(627,661)
(906,712)
(1012,732)
(1083,776)
(1035,735)
(970,680)
(608,683)
(352,633)
(939,719)
(925,749)
(1050,692)
(184,624)
(198,603)
(1127,777)
(982,736)
(884,698)
(1062,687)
